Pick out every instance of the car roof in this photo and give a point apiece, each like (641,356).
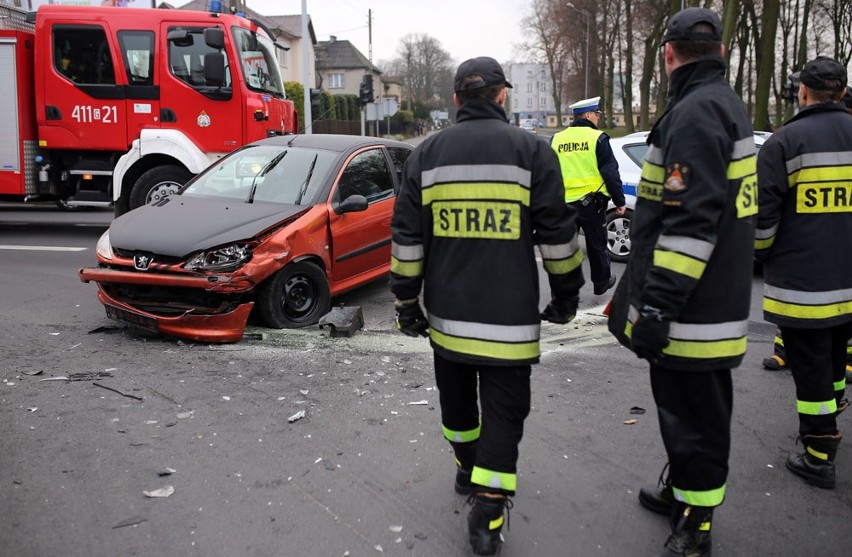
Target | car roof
(331,142)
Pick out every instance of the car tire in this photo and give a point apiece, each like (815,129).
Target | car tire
(157,183)
(296,296)
(618,235)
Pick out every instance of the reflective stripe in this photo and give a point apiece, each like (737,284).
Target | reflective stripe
(653,172)
(654,155)
(710,331)
(485,348)
(698,249)
(707,350)
(682,264)
(709,498)
(496,480)
(476,173)
(700,341)
(407,253)
(807,305)
(764,244)
(840,385)
(485,331)
(743,148)
(766,233)
(816,408)
(820,174)
(496,523)
(816,453)
(406,268)
(478,191)
(742,168)
(651,182)
(778,340)
(807,298)
(839,158)
(461,436)
(561,259)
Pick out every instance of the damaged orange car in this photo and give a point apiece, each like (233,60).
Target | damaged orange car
(280,226)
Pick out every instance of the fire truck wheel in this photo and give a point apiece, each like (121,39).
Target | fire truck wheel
(296,296)
(157,183)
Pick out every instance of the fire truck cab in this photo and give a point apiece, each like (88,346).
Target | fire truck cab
(123,106)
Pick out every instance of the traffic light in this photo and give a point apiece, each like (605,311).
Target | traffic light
(365,92)
(315,102)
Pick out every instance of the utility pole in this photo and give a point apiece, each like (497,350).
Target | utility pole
(306,73)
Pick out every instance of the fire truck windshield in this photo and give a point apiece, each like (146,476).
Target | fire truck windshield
(259,65)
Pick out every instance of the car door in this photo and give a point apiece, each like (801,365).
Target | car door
(360,240)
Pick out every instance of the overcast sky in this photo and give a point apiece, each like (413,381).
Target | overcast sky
(465,28)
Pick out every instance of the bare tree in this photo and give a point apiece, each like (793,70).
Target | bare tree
(550,44)
(426,67)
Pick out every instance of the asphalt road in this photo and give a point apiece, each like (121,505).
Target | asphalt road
(365,471)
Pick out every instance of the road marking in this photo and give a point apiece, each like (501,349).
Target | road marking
(41,248)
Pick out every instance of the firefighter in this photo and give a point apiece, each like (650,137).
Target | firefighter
(590,175)
(683,302)
(474,201)
(805,206)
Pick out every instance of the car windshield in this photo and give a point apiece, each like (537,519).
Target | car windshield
(259,66)
(266,174)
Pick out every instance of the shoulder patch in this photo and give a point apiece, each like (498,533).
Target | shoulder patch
(676,178)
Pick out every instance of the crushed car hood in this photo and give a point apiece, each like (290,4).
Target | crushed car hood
(180,225)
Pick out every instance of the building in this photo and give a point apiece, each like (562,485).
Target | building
(342,67)
(531,93)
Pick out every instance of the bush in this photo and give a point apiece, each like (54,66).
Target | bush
(296,93)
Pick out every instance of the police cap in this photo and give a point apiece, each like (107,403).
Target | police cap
(586,105)
(680,27)
(824,74)
(488,71)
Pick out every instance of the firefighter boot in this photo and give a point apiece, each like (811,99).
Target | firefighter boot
(465,459)
(816,464)
(775,363)
(690,531)
(661,498)
(485,522)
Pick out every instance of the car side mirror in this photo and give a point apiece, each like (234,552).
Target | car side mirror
(214,37)
(214,68)
(352,204)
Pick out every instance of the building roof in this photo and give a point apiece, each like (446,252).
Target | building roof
(287,25)
(341,55)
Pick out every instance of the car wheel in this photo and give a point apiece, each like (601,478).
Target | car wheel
(158,183)
(618,235)
(296,296)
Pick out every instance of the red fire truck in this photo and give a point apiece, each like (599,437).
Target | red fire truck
(123,106)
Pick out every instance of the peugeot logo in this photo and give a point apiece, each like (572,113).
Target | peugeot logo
(142,262)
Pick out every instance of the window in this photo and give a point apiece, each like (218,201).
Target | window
(529,102)
(398,156)
(336,81)
(529,87)
(542,101)
(137,50)
(81,53)
(366,174)
(636,152)
(259,64)
(186,57)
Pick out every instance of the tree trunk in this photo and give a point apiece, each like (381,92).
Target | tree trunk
(766,64)
(627,75)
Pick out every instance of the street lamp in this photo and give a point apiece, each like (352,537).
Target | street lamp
(585,14)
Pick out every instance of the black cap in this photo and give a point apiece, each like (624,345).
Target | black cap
(681,24)
(824,74)
(487,69)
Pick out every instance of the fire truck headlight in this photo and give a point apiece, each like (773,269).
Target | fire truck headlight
(225,258)
(104,249)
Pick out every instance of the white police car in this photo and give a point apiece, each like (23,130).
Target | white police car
(629,152)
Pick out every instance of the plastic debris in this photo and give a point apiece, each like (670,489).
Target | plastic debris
(254,336)
(630,422)
(226,398)
(637,410)
(33,372)
(164,491)
(396,529)
(60,378)
(342,321)
(185,415)
(166,472)
(116,391)
(419,403)
(297,416)
(132,521)
(32,408)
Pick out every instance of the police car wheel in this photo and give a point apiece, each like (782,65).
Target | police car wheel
(296,296)
(618,235)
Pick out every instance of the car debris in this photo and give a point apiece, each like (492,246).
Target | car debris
(132,521)
(297,416)
(96,384)
(342,321)
(164,491)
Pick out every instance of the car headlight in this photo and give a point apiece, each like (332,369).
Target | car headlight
(104,249)
(225,258)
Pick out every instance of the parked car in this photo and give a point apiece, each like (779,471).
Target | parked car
(529,124)
(282,226)
(630,152)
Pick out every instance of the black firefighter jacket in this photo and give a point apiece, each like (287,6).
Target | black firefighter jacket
(805,223)
(474,200)
(692,233)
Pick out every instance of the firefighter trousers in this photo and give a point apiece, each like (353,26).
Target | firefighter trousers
(504,395)
(817,359)
(592,221)
(694,410)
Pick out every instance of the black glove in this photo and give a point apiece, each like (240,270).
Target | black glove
(650,334)
(561,310)
(410,319)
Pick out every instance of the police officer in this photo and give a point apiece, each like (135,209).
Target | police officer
(683,302)
(590,175)
(474,201)
(804,173)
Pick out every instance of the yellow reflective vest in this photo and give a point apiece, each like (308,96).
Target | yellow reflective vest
(576,148)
